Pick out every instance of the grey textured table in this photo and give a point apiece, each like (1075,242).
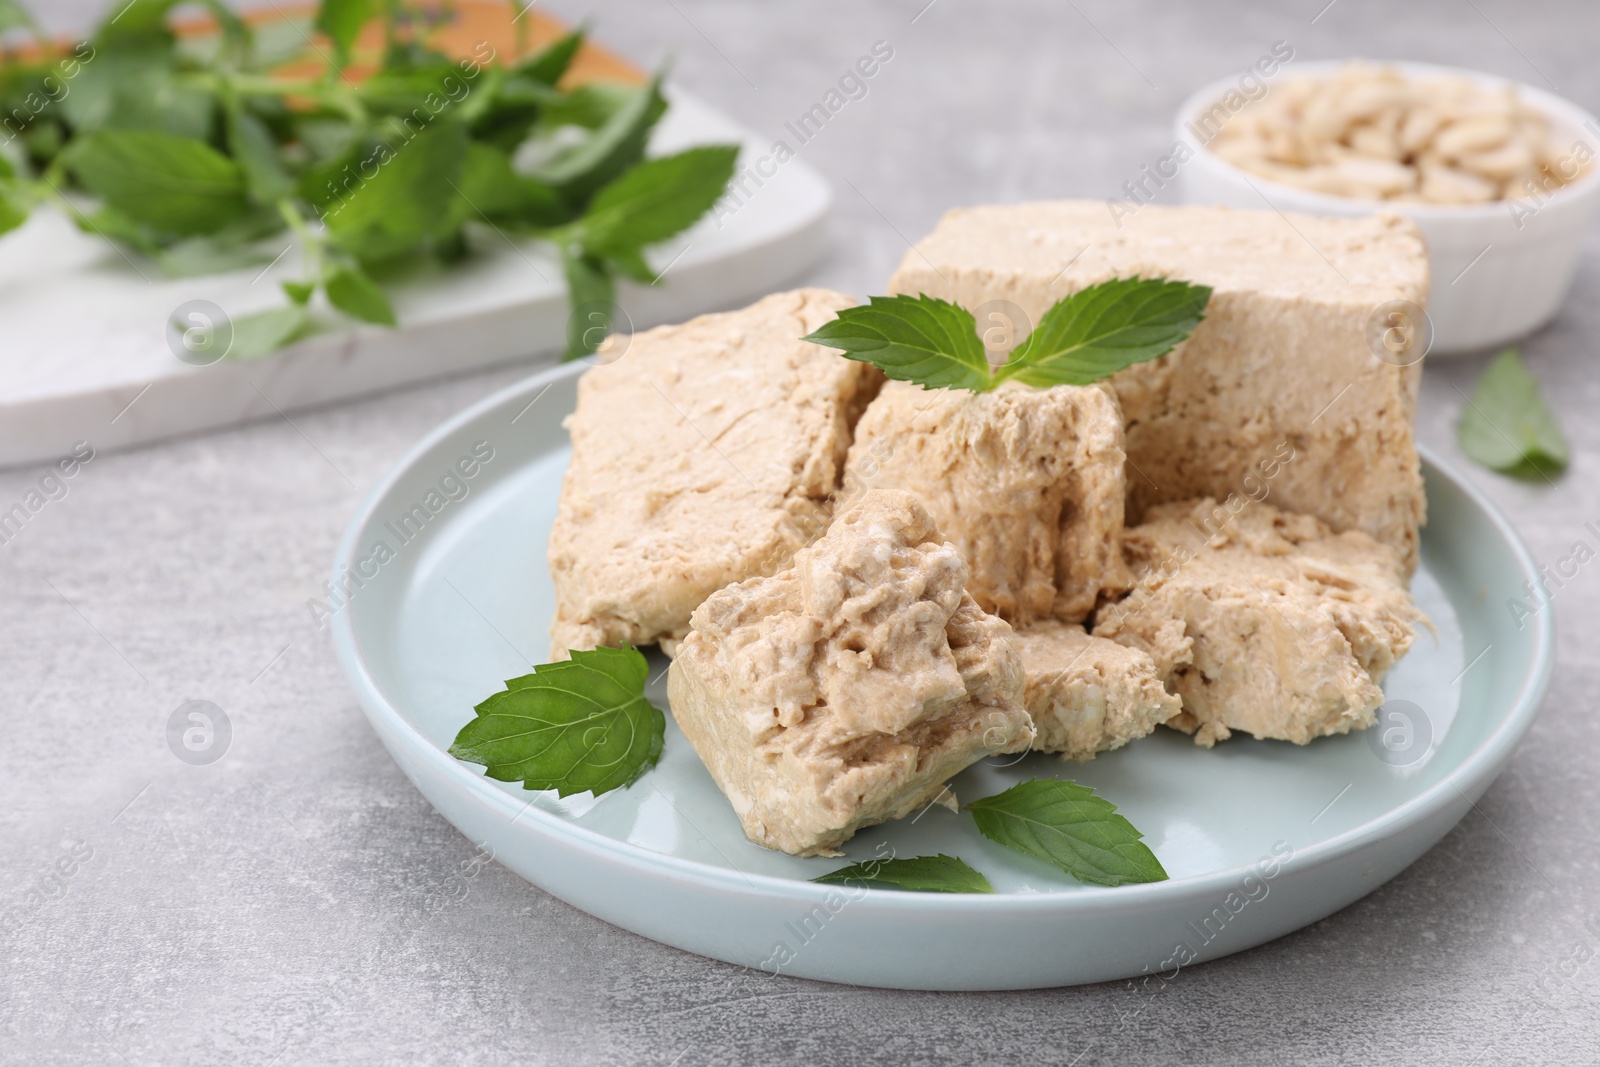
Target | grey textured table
(299,902)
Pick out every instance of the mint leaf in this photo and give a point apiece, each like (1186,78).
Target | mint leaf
(130,79)
(1098,331)
(589,105)
(174,184)
(591,298)
(582,725)
(549,65)
(656,199)
(264,332)
(630,263)
(609,150)
(1507,426)
(352,292)
(495,193)
(342,20)
(252,146)
(406,200)
(919,339)
(1067,825)
(113,225)
(505,107)
(211,254)
(933,874)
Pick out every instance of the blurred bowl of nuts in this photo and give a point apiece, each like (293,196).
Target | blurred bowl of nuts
(1501,177)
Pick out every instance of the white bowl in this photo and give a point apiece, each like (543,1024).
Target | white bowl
(1496,277)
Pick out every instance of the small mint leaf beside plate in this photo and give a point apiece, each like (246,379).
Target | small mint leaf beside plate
(1507,426)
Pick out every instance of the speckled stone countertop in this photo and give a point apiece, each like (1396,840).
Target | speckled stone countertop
(298,901)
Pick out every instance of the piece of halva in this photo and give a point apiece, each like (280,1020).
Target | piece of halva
(1286,363)
(1262,620)
(1088,694)
(705,453)
(847,690)
(1027,483)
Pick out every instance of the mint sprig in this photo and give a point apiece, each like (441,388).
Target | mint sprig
(207,154)
(173,184)
(1508,427)
(1083,338)
(931,874)
(653,201)
(1068,826)
(576,726)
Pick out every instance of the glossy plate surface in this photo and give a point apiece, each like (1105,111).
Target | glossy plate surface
(1260,838)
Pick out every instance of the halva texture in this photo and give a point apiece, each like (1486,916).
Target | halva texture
(848,689)
(704,454)
(1027,483)
(1088,694)
(1294,356)
(1261,620)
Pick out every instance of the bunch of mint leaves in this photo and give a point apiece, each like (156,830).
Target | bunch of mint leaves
(585,725)
(201,154)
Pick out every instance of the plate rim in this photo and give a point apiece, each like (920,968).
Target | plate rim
(1478,767)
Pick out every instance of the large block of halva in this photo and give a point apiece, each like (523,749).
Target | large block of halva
(1282,366)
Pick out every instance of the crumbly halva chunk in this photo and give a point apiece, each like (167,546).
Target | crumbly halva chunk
(1087,694)
(1262,620)
(848,689)
(705,454)
(1027,483)
(1283,364)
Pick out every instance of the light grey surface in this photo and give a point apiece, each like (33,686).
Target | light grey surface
(298,902)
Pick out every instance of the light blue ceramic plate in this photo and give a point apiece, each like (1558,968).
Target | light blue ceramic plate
(1260,837)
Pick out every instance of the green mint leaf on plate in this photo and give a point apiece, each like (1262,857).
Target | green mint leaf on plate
(1507,427)
(1067,825)
(932,874)
(919,339)
(352,292)
(173,184)
(578,726)
(1098,331)
(1088,336)
(656,199)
